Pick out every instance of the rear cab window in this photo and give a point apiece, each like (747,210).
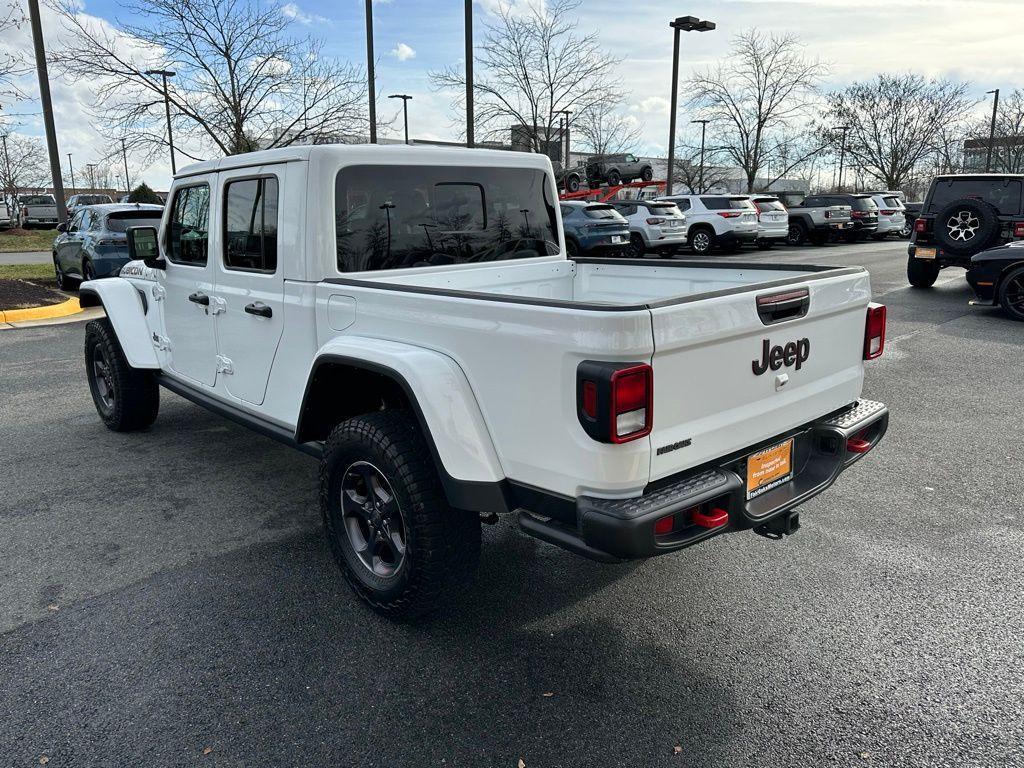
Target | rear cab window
(863,204)
(120,221)
(395,217)
(1004,194)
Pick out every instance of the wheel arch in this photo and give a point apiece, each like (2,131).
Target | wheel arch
(351,376)
(1003,274)
(124,306)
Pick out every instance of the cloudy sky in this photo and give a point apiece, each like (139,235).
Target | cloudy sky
(979,41)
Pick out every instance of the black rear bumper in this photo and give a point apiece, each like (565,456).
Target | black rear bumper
(620,529)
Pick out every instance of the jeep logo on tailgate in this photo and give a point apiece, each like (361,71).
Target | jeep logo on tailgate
(794,353)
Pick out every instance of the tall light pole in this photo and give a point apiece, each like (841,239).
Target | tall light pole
(165,73)
(842,153)
(44,97)
(567,113)
(90,169)
(992,130)
(469,73)
(703,131)
(684,24)
(371,78)
(71,168)
(405,110)
(127,183)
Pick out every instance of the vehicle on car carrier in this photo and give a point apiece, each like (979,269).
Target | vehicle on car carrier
(408,316)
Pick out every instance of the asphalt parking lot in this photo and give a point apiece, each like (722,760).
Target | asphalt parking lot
(168,599)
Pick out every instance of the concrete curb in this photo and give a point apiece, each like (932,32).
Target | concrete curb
(69,307)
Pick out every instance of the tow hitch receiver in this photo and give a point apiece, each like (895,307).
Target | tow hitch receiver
(783,525)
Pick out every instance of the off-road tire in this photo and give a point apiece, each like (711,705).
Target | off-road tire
(572,184)
(797,233)
(1011,293)
(701,245)
(127,399)
(922,273)
(647,174)
(614,178)
(985,231)
(442,544)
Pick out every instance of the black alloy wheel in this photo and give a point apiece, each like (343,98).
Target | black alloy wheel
(373,520)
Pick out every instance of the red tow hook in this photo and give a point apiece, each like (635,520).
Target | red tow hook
(858,445)
(715,518)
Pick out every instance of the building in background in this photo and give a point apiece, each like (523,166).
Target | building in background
(1007,155)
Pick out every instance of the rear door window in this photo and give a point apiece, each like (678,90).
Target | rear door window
(1004,194)
(250,225)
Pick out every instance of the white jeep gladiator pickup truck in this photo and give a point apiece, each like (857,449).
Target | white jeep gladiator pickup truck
(409,316)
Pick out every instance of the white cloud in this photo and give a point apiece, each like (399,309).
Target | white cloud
(293,11)
(652,105)
(402,52)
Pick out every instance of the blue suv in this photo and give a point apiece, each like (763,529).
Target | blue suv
(593,229)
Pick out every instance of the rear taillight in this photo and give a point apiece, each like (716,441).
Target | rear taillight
(655,220)
(1018,229)
(730,214)
(920,225)
(615,400)
(858,214)
(874,332)
(889,212)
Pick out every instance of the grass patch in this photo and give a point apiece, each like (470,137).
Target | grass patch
(15,240)
(26,271)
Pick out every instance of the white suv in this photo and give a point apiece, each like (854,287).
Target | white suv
(653,226)
(892,219)
(772,221)
(725,221)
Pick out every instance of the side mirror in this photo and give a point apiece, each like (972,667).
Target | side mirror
(143,245)
(62,227)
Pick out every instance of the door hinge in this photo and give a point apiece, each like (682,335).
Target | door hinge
(217,305)
(224,365)
(162,343)
(158,293)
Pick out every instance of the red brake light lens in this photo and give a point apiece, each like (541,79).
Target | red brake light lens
(655,220)
(920,225)
(1018,229)
(888,211)
(632,391)
(730,214)
(874,332)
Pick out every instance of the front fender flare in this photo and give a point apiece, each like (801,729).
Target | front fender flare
(445,406)
(123,305)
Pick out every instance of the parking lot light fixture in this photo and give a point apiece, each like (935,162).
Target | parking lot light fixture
(406,98)
(703,131)
(164,74)
(842,153)
(680,24)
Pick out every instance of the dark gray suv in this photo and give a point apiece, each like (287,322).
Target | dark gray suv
(617,169)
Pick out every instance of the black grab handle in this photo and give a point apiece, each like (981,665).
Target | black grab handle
(259,308)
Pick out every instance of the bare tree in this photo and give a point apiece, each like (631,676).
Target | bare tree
(687,168)
(760,92)
(605,131)
(531,65)
(12,62)
(1008,144)
(898,123)
(23,167)
(242,81)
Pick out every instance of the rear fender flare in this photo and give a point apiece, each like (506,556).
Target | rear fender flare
(123,305)
(443,402)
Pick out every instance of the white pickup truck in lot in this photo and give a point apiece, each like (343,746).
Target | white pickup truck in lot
(409,316)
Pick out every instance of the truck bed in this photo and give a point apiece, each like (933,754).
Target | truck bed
(601,284)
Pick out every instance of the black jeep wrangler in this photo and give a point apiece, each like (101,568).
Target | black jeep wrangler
(617,169)
(963,215)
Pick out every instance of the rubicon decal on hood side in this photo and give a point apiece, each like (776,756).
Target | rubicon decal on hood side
(795,353)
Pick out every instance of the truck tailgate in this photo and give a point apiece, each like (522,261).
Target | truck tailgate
(725,380)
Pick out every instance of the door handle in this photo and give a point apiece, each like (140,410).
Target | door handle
(200,298)
(259,308)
